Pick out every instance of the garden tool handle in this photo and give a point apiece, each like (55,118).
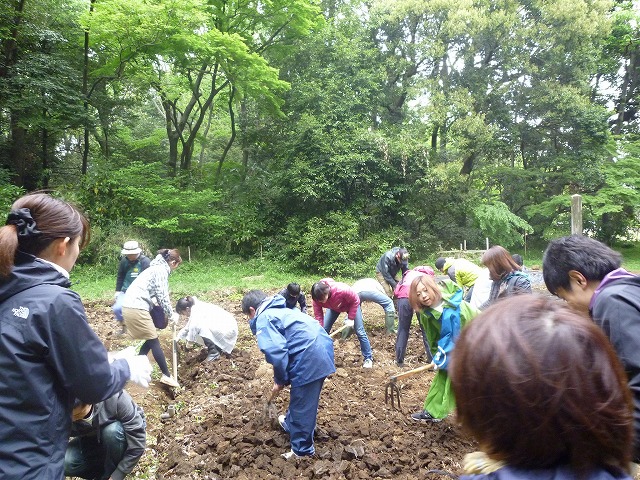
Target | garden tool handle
(412,372)
(344,327)
(272,395)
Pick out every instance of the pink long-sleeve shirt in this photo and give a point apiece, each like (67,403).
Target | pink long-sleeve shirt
(342,298)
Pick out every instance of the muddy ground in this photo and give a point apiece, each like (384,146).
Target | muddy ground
(219,430)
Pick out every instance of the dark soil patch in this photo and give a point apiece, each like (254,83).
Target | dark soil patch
(219,430)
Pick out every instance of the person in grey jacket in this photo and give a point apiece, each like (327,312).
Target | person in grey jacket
(587,275)
(108,439)
(390,263)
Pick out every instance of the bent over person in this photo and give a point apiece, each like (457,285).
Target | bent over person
(587,275)
(390,263)
(108,439)
(301,353)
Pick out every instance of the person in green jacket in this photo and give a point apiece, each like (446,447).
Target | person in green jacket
(442,313)
(462,271)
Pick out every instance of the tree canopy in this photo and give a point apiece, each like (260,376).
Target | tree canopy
(324,132)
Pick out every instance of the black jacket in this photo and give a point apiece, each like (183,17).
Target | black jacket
(49,355)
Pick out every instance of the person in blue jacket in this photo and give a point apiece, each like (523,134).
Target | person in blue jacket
(301,353)
(540,388)
(49,355)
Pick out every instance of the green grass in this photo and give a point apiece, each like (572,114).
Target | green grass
(202,276)
(217,273)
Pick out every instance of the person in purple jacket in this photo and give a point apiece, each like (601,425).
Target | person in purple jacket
(542,391)
(587,275)
(337,298)
(301,353)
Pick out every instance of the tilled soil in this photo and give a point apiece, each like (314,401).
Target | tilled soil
(221,430)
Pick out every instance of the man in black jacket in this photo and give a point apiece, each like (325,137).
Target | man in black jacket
(390,263)
(108,439)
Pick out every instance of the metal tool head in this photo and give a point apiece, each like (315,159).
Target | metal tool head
(392,394)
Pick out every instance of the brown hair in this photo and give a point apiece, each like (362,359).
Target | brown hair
(431,286)
(170,255)
(499,262)
(54,218)
(539,385)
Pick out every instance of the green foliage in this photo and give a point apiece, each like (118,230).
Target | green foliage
(331,246)
(500,225)
(8,192)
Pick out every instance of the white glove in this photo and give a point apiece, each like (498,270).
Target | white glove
(175,316)
(126,353)
(348,323)
(140,370)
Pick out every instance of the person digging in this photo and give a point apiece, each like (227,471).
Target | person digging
(301,353)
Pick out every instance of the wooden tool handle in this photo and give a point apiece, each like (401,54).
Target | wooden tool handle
(412,372)
(344,327)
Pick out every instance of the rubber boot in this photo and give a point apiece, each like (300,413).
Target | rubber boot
(389,322)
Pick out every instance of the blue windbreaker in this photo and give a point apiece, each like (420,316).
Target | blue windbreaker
(294,343)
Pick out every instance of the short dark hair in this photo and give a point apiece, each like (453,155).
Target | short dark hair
(319,290)
(518,259)
(591,258)
(293,289)
(542,387)
(253,298)
(184,303)
(440,261)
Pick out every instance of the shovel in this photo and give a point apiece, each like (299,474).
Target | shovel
(175,354)
(392,392)
(270,411)
(341,329)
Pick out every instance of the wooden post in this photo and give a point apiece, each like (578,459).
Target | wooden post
(465,244)
(576,214)
(487,242)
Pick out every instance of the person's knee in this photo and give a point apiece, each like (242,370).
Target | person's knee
(113,433)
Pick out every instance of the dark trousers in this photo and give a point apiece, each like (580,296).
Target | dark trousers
(405,314)
(87,458)
(300,420)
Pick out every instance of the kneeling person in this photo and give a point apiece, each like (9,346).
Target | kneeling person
(301,353)
(108,438)
(208,325)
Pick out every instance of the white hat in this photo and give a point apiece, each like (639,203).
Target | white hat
(131,248)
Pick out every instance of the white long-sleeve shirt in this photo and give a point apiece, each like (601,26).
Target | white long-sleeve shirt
(212,322)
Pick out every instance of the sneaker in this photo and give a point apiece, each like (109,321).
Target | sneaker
(368,363)
(424,416)
(282,422)
(169,381)
(290,454)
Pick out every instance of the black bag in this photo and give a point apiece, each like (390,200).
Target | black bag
(157,315)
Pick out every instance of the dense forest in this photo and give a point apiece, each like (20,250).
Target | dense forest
(319,131)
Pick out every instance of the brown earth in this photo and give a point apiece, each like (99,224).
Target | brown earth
(219,429)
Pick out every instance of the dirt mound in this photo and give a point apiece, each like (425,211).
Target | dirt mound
(220,430)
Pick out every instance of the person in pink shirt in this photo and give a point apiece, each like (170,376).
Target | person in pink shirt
(405,312)
(337,298)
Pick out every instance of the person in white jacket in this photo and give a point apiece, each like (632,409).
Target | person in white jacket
(209,325)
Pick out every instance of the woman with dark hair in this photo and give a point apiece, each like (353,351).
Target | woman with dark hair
(49,355)
(151,288)
(541,389)
(208,325)
(337,298)
(507,276)
(442,314)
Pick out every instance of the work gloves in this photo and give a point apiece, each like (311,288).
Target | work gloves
(175,316)
(139,365)
(349,323)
